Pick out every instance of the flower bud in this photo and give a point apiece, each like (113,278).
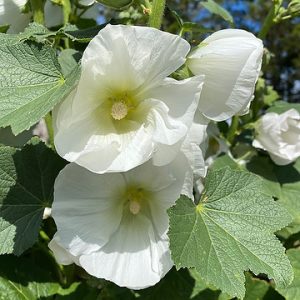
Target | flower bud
(279,134)
(231,60)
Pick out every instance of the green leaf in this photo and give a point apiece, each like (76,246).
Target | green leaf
(116,4)
(223,161)
(265,168)
(4,28)
(36,32)
(7,138)
(230,231)
(290,194)
(292,292)
(26,188)
(255,288)
(31,83)
(81,35)
(176,285)
(25,279)
(79,291)
(280,107)
(194,27)
(217,9)
(68,60)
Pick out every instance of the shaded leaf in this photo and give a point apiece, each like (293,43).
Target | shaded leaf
(292,292)
(26,188)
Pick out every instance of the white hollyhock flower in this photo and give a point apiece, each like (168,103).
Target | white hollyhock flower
(124,110)
(231,60)
(54,13)
(10,14)
(115,225)
(279,134)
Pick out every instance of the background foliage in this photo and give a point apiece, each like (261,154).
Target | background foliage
(28,166)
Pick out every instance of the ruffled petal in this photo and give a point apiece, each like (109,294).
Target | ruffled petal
(133,56)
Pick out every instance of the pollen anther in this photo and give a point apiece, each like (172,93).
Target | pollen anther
(119,110)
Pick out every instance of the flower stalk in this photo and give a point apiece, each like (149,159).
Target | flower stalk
(38,11)
(157,12)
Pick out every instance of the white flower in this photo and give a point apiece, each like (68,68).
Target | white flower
(124,110)
(86,2)
(231,60)
(194,149)
(115,225)
(54,13)
(10,14)
(279,134)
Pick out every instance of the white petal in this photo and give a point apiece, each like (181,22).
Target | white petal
(230,60)
(79,193)
(197,135)
(279,134)
(53,14)
(181,182)
(135,257)
(61,254)
(86,2)
(134,56)
(181,97)
(10,13)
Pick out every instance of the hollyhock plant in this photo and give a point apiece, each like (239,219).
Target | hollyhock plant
(115,225)
(231,61)
(279,134)
(125,110)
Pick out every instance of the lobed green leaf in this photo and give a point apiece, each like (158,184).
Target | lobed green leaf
(31,83)
(230,231)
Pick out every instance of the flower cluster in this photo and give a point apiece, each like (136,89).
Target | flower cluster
(135,138)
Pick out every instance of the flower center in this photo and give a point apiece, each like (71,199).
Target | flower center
(119,110)
(134,207)
(135,198)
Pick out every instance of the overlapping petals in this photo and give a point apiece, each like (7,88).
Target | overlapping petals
(124,110)
(116,224)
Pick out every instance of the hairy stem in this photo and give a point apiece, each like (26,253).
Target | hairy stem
(157,12)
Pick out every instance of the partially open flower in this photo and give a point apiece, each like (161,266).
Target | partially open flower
(115,225)
(10,14)
(279,134)
(231,60)
(124,110)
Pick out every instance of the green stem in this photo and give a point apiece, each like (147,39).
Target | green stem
(269,20)
(48,120)
(157,12)
(233,129)
(38,11)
